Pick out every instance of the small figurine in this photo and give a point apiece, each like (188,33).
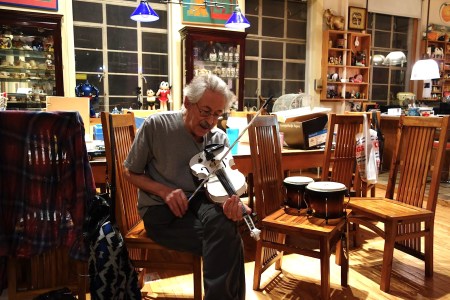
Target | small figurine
(3,101)
(49,62)
(163,94)
(333,21)
(88,90)
(151,99)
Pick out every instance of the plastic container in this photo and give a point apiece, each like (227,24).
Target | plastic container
(98,132)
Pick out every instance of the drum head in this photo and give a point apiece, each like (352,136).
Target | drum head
(298,180)
(326,186)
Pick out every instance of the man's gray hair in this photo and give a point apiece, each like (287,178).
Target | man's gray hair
(195,89)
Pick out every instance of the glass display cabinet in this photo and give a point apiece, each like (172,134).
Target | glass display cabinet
(30,58)
(214,51)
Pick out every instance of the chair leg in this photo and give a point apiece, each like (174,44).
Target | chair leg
(12,277)
(372,191)
(197,275)
(281,239)
(390,231)
(325,268)
(82,279)
(429,240)
(258,266)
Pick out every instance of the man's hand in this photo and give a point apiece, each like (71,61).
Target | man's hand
(177,202)
(232,208)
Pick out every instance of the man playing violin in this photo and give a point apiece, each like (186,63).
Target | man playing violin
(158,164)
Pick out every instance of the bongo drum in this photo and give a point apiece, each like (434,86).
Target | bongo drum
(295,190)
(326,199)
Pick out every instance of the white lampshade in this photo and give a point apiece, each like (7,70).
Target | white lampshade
(425,69)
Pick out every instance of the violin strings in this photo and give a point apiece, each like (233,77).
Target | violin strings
(223,178)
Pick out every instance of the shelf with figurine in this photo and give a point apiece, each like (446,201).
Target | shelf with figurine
(28,53)
(345,65)
(30,58)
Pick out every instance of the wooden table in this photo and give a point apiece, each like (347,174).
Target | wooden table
(292,159)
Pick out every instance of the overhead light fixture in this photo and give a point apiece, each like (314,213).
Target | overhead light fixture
(144,13)
(237,20)
(426,68)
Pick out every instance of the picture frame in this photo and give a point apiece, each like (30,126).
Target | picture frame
(357,18)
(208,15)
(37,4)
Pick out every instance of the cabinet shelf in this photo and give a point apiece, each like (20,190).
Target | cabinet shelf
(26,80)
(354,54)
(439,52)
(199,43)
(31,62)
(336,66)
(25,70)
(25,53)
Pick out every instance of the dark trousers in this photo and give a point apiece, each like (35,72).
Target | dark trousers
(204,230)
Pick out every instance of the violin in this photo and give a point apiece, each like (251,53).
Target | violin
(214,165)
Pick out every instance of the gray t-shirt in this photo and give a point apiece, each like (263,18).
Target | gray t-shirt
(162,149)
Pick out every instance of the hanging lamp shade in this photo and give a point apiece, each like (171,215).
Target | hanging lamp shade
(425,69)
(237,20)
(144,13)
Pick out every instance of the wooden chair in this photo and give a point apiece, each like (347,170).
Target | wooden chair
(406,222)
(340,154)
(361,187)
(144,252)
(45,180)
(279,229)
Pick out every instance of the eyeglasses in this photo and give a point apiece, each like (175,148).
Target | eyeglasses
(207,113)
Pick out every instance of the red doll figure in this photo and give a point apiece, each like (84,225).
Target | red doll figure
(163,94)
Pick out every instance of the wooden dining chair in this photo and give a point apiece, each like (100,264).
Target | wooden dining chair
(279,228)
(360,186)
(144,252)
(45,183)
(407,211)
(340,154)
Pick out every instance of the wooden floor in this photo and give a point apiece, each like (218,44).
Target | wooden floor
(300,278)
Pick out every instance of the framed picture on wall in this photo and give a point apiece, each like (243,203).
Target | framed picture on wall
(38,4)
(357,18)
(211,15)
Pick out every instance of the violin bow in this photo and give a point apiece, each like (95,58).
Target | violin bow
(234,143)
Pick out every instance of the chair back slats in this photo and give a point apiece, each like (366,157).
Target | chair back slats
(409,181)
(267,173)
(415,161)
(415,138)
(340,157)
(123,127)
